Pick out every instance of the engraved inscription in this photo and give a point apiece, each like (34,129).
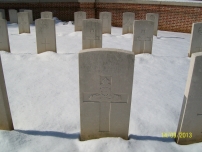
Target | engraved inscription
(80,18)
(200,30)
(105,20)
(105,97)
(92,33)
(128,21)
(107,63)
(43,31)
(23,22)
(152,17)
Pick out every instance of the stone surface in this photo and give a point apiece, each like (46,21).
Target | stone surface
(30,15)
(106,79)
(155,18)
(128,19)
(142,36)
(47,15)
(13,16)
(23,22)
(92,34)
(4,41)
(45,35)
(1,16)
(78,20)
(3,13)
(106,18)
(6,122)
(190,123)
(196,38)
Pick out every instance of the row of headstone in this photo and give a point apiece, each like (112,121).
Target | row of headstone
(14,17)
(142,35)
(106,17)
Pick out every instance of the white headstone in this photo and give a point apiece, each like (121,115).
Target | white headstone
(106,18)
(196,38)
(13,16)
(30,16)
(23,22)
(6,122)
(190,123)
(155,18)
(45,35)
(143,36)
(92,34)
(47,15)
(4,41)
(128,19)
(3,13)
(106,79)
(78,20)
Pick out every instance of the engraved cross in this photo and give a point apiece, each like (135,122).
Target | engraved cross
(23,22)
(105,98)
(45,43)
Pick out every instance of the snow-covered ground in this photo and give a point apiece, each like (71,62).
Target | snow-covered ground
(43,92)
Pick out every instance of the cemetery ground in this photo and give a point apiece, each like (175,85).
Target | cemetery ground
(43,93)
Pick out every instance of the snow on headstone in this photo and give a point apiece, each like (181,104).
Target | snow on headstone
(155,18)
(78,20)
(23,22)
(142,36)
(106,18)
(30,15)
(45,35)
(190,123)
(92,34)
(196,38)
(105,80)
(128,18)
(6,122)
(3,13)
(4,41)
(13,16)
(48,15)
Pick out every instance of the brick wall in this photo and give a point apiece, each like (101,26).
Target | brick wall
(172,18)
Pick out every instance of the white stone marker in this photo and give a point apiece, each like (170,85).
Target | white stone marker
(30,16)
(106,79)
(92,34)
(143,36)
(128,19)
(196,38)
(155,18)
(190,123)
(6,122)
(13,16)
(106,18)
(45,35)
(78,20)
(23,22)
(47,15)
(4,41)
(1,16)
(3,13)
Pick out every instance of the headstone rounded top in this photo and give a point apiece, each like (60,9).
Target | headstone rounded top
(106,49)
(197,54)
